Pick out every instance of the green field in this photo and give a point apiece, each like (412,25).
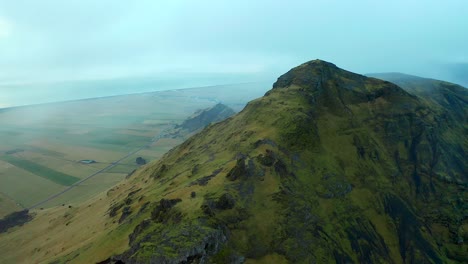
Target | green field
(42,171)
(43,144)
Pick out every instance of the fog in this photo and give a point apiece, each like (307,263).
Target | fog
(46,46)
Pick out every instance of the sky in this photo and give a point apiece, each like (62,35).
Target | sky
(47,45)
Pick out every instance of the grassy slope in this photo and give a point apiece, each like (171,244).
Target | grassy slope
(316,172)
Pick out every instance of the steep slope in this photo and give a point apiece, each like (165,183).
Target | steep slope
(328,167)
(448,101)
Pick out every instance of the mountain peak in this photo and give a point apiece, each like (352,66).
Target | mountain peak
(329,87)
(312,72)
(318,63)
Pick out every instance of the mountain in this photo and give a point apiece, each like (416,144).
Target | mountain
(204,117)
(328,167)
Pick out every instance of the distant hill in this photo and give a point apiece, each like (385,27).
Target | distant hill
(328,167)
(205,117)
(447,96)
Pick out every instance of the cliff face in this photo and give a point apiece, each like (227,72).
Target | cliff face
(328,167)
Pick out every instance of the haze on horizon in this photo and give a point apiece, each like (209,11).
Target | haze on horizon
(46,44)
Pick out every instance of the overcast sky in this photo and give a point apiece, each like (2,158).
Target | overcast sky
(56,40)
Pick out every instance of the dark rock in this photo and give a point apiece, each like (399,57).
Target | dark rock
(160,172)
(132,193)
(271,143)
(281,168)
(204,180)
(268,159)
(106,261)
(143,207)
(125,213)
(138,230)
(254,171)
(161,213)
(111,260)
(238,171)
(166,204)
(226,201)
(210,206)
(114,209)
(195,169)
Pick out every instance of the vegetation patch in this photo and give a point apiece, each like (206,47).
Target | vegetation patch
(14,219)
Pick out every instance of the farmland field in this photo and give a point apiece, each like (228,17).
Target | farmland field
(42,145)
(40,170)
